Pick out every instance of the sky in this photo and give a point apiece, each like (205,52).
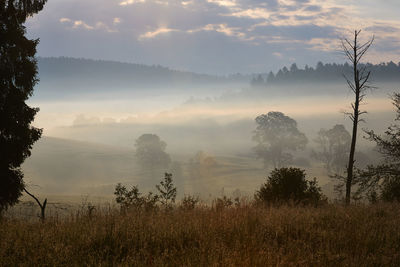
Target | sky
(216,36)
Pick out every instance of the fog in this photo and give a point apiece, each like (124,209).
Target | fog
(89,135)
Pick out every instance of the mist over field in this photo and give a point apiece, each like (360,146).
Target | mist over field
(199,133)
(91,123)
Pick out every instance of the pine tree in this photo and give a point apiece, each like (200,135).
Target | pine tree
(18,76)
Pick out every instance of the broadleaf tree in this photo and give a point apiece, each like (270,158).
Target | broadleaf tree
(277,136)
(150,154)
(333,148)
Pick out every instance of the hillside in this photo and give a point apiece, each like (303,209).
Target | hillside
(69,75)
(63,166)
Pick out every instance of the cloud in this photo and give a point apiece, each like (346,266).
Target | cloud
(80,23)
(131,2)
(256,13)
(186,3)
(116,21)
(212,35)
(153,34)
(224,3)
(63,20)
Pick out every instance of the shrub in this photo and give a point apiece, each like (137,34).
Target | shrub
(222,203)
(189,202)
(391,190)
(132,199)
(167,191)
(127,198)
(289,185)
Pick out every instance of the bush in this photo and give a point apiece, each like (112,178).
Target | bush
(167,191)
(289,185)
(132,199)
(391,190)
(189,202)
(127,198)
(222,203)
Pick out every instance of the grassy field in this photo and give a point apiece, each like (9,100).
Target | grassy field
(244,235)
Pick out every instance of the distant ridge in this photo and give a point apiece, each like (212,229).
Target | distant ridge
(100,74)
(69,76)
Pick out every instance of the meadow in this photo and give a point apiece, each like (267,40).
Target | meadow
(244,234)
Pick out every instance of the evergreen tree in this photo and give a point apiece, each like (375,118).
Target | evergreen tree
(18,76)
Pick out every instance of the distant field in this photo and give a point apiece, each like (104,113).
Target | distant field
(60,167)
(244,235)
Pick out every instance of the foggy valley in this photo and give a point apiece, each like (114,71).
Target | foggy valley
(90,128)
(199,133)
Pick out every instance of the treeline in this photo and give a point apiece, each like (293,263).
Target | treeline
(330,72)
(99,74)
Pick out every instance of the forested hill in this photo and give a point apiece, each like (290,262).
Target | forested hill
(64,75)
(87,73)
(384,72)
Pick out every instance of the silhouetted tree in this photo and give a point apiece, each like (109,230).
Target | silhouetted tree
(334,147)
(383,180)
(294,68)
(150,152)
(323,73)
(167,191)
(270,77)
(276,135)
(18,76)
(359,83)
(289,184)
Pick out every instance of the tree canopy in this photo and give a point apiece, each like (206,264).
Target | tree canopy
(150,152)
(289,184)
(333,147)
(276,135)
(18,76)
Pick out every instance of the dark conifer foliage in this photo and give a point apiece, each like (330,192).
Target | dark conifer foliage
(332,72)
(17,78)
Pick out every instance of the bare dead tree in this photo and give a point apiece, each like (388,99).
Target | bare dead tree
(359,84)
(41,205)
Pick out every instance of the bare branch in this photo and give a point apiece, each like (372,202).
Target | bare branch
(355,52)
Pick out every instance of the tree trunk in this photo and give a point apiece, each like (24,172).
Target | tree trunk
(355,52)
(42,206)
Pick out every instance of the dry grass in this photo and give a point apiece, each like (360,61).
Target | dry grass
(246,236)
